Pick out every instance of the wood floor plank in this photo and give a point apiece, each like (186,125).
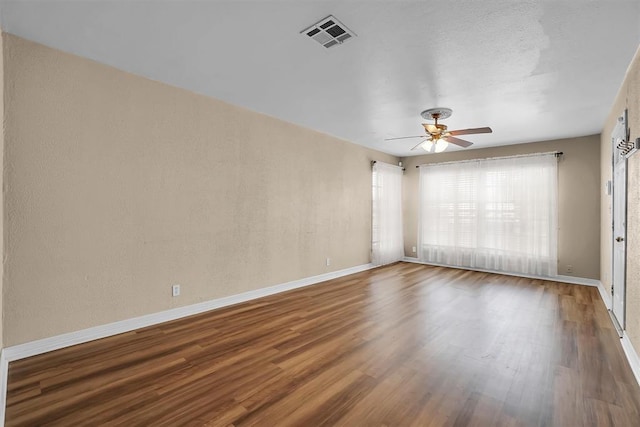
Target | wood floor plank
(404,344)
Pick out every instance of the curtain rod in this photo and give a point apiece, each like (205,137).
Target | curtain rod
(555,153)
(373,162)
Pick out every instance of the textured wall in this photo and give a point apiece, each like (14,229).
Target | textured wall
(578,197)
(118,187)
(628,97)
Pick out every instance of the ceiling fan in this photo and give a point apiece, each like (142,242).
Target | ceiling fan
(438,137)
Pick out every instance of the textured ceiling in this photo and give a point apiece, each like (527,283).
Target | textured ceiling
(532,70)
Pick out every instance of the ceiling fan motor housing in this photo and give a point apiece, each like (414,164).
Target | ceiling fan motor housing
(438,113)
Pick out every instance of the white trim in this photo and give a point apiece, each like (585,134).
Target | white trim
(585,281)
(616,324)
(606,296)
(632,356)
(4,372)
(559,278)
(33,348)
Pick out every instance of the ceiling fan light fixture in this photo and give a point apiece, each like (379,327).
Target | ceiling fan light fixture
(427,146)
(441,145)
(439,136)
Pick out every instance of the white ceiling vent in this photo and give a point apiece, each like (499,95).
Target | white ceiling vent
(329,32)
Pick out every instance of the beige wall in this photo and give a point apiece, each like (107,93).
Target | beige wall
(118,187)
(578,193)
(628,97)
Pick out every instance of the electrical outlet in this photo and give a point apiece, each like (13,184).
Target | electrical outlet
(328,262)
(413,249)
(175,290)
(569,268)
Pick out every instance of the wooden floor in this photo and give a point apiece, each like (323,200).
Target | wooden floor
(403,345)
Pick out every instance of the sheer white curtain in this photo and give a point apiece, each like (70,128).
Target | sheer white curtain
(495,214)
(387,243)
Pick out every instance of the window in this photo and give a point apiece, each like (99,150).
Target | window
(387,243)
(494,214)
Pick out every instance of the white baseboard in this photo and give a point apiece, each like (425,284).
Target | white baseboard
(45,345)
(632,356)
(559,278)
(4,372)
(585,281)
(605,295)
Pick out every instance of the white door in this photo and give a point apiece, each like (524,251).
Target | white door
(619,238)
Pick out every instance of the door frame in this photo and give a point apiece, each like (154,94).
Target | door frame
(620,132)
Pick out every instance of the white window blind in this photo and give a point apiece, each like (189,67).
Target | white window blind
(495,214)
(387,242)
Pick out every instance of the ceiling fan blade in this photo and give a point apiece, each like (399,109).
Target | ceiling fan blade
(430,128)
(460,142)
(421,142)
(470,131)
(404,137)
